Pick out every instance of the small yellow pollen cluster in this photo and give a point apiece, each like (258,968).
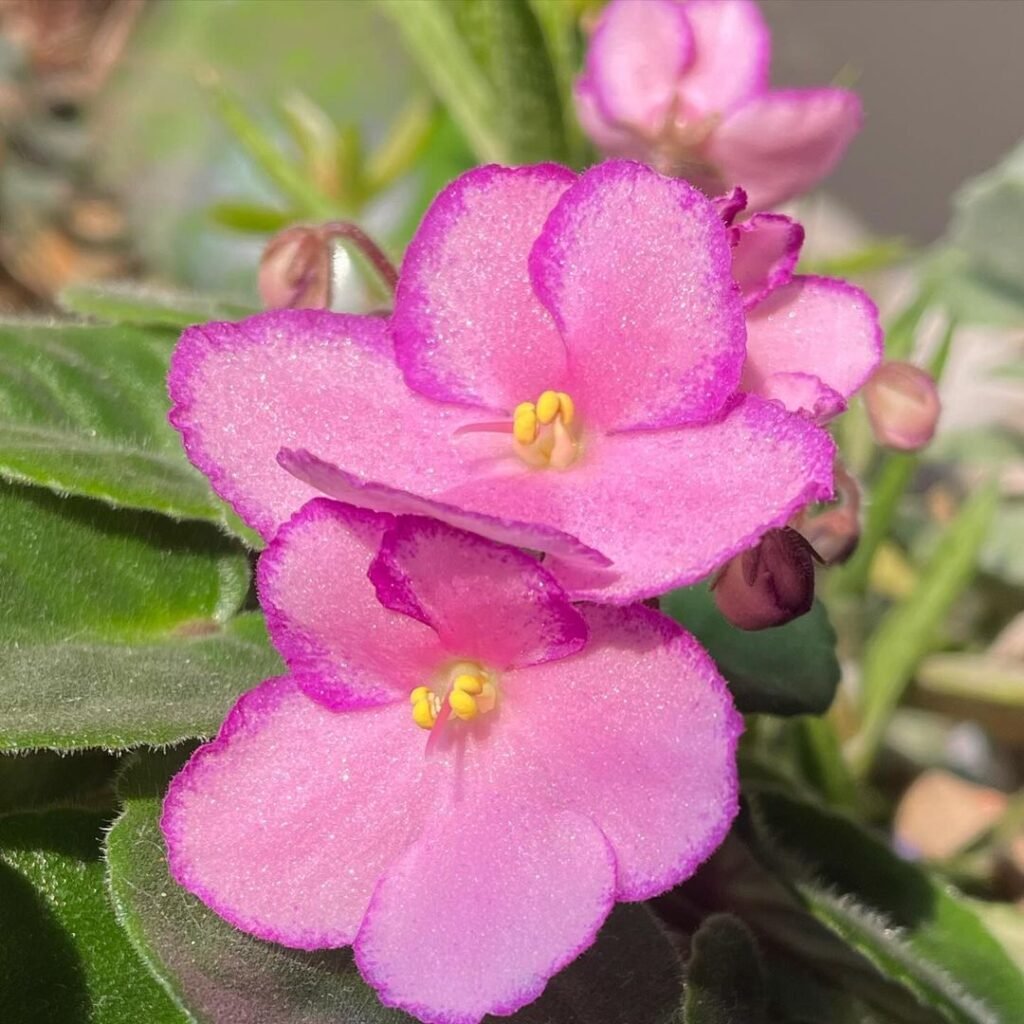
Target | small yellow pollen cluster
(541,430)
(471,693)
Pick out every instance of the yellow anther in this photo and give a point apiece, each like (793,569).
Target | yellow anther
(523,407)
(547,406)
(420,693)
(524,423)
(567,407)
(463,705)
(468,684)
(423,714)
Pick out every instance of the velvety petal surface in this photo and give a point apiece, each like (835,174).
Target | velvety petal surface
(636,270)
(484,909)
(286,821)
(803,393)
(485,601)
(640,733)
(466,323)
(781,144)
(813,325)
(669,506)
(302,378)
(732,53)
(765,251)
(324,616)
(637,53)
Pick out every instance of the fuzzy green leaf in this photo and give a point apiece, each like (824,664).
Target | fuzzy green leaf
(224,976)
(63,957)
(790,670)
(118,629)
(145,306)
(83,410)
(725,980)
(914,930)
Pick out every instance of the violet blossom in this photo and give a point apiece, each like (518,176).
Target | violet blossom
(462,773)
(683,85)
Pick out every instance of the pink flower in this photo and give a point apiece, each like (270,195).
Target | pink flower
(812,342)
(562,372)
(577,756)
(683,84)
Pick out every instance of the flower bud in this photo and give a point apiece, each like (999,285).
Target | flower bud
(834,532)
(770,584)
(903,405)
(295,270)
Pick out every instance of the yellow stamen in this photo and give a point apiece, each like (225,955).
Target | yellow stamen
(423,714)
(524,423)
(419,694)
(468,684)
(463,705)
(547,406)
(567,407)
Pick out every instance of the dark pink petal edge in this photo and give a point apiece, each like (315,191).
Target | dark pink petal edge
(730,205)
(781,271)
(411,324)
(307,659)
(251,706)
(396,591)
(529,993)
(722,370)
(188,357)
(348,487)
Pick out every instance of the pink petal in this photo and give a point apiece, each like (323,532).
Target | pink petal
(732,47)
(640,733)
(765,252)
(803,393)
(817,326)
(346,649)
(730,205)
(301,378)
(486,601)
(636,270)
(538,536)
(609,137)
(636,55)
(274,826)
(466,324)
(484,909)
(781,144)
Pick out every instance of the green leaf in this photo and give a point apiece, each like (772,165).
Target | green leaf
(789,670)
(63,958)
(907,631)
(129,303)
(430,33)
(725,982)
(224,976)
(529,105)
(914,930)
(118,629)
(251,218)
(1003,552)
(83,410)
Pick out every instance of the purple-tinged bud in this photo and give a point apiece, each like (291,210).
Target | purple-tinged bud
(295,270)
(834,532)
(770,584)
(903,405)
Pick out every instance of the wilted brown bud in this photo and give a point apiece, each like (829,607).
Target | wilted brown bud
(770,584)
(295,270)
(903,405)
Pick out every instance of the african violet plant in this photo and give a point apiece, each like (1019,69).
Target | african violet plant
(519,706)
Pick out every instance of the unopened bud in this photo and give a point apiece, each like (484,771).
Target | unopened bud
(903,405)
(770,584)
(834,532)
(295,271)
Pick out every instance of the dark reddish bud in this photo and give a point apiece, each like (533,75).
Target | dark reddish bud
(903,405)
(770,584)
(295,271)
